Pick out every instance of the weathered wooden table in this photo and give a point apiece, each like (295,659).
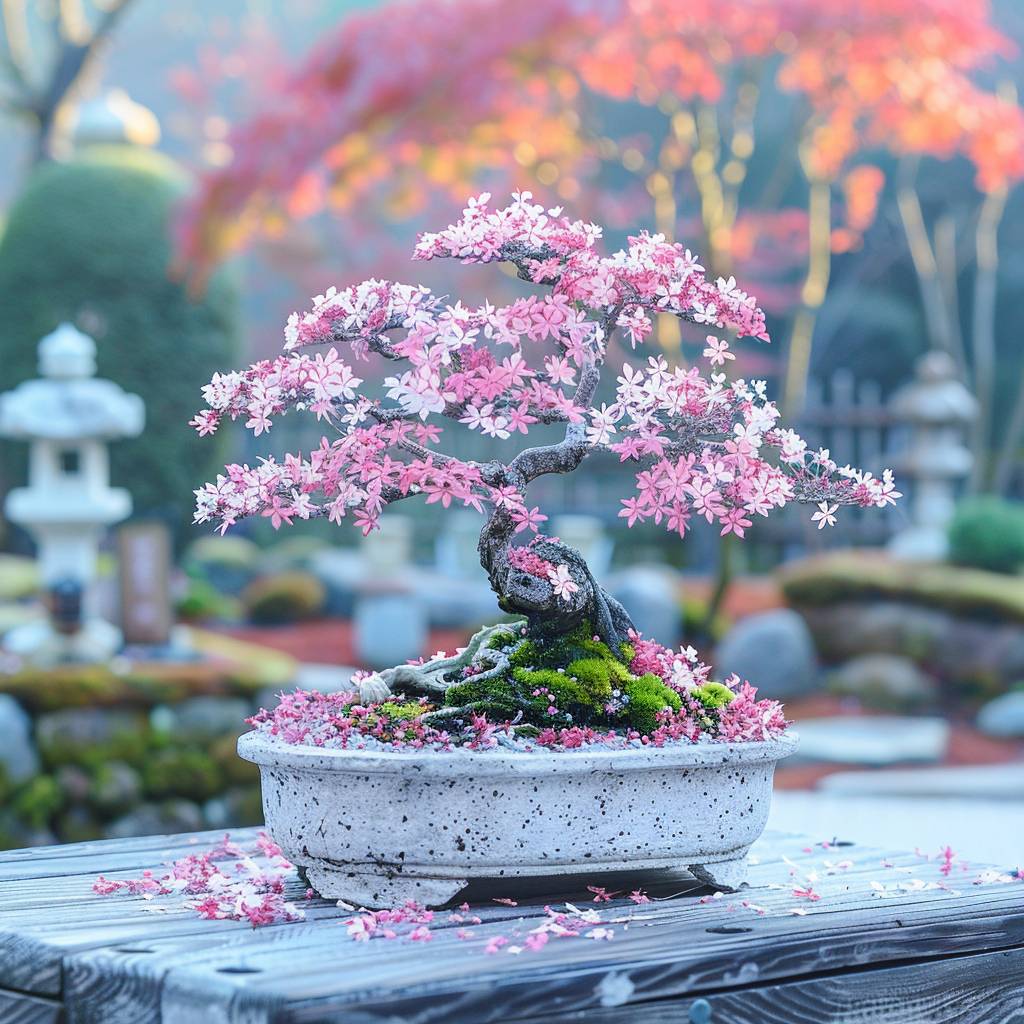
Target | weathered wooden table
(891,939)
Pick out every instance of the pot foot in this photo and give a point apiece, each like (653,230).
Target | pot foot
(725,876)
(378,891)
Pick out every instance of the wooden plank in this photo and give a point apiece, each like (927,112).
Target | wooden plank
(19,1008)
(980,989)
(324,975)
(99,975)
(415,985)
(33,942)
(121,960)
(106,855)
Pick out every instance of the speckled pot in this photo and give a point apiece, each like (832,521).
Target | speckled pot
(377,828)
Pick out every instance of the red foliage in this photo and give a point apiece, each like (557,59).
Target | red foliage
(430,94)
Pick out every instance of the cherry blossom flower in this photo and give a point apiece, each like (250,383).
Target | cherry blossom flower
(563,584)
(825,516)
(717,351)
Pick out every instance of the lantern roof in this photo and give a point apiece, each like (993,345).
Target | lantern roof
(68,402)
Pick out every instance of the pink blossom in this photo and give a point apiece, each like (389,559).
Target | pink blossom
(563,584)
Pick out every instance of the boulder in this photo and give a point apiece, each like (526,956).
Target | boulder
(157,819)
(651,595)
(389,627)
(873,740)
(884,680)
(1004,716)
(773,650)
(66,735)
(115,788)
(18,758)
(206,718)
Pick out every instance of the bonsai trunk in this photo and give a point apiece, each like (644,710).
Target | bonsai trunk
(549,614)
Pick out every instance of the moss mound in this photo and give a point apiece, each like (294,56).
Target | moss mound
(573,680)
(973,593)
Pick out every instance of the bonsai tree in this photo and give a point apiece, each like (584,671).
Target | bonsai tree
(704,447)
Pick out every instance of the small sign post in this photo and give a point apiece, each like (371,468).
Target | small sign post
(144,556)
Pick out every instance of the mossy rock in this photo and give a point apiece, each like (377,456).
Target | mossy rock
(92,736)
(231,550)
(283,598)
(203,602)
(226,667)
(38,801)
(236,770)
(187,773)
(865,576)
(116,787)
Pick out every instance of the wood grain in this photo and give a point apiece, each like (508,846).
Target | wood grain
(19,1008)
(981,989)
(123,960)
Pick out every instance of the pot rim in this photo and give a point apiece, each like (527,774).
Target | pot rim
(263,750)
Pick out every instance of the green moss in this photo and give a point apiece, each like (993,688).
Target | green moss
(628,652)
(182,772)
(525,655)
(714,695)
(38,801)
(595,675)
(647,696)
(499,641)
(564,690)
(405,712)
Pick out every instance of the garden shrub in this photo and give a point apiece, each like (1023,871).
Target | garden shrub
(182,772)
(285,597)
(988,533)
(202,601)
(87,242)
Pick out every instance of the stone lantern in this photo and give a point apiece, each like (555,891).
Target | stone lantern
(67,417)
(938,410)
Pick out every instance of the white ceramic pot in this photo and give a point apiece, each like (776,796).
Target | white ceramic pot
(378,828)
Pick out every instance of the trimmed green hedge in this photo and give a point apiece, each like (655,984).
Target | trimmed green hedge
(88,242)
(988,533)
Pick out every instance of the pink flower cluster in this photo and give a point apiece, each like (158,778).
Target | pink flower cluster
(311,718)
(743,719)
(250,888)
(702,444)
